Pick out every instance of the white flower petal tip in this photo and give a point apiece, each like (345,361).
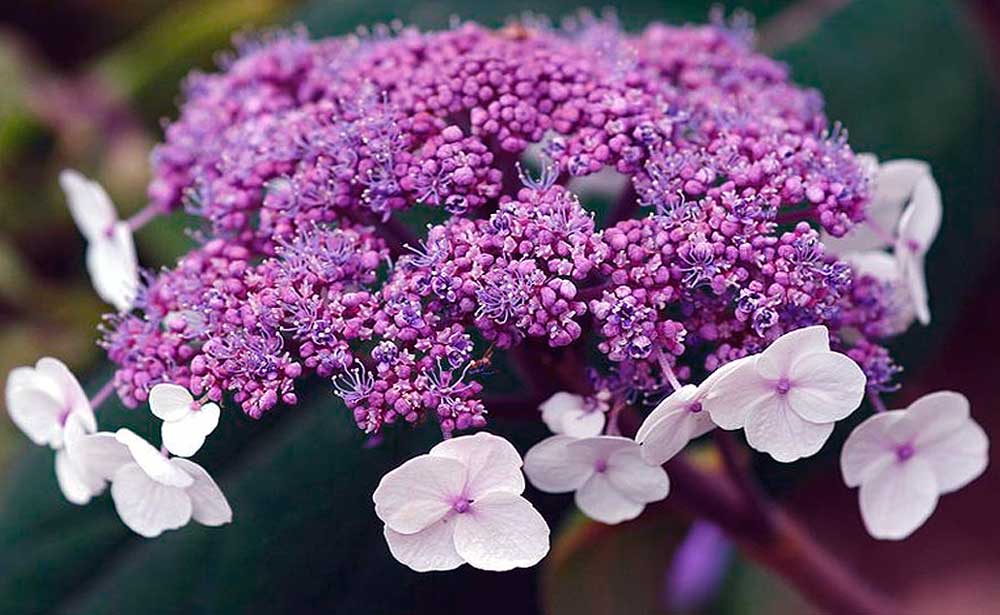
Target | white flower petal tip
(153,493)
(40,400)
(111,257)
(612,481)
(186,425)
(789,397)
(114,268)
(573,415)
(461,504)
(903,460)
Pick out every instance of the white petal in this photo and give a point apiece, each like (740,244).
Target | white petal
(419,492)
(922,218)
(894,185)
(185,437)
(148,507)
(583,423)
(113,267)
(208,505)
(101,453)
(777,359)
(914,281)
(89,204)
(501,531)
(554,407)
(37,414)
(826,387)
(432,548)
(931,417)
(679,399)
(72,482)
(777,430)
(170,402)
(878,264)
(670,426)
(736,393)
(601,501)
(898,499)
(552,466)
(636,479)
(152,461)
(869,448)
(72,393)
(493,463)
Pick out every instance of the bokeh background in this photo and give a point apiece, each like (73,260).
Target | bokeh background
(85,83)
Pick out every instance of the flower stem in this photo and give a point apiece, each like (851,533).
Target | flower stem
(775,540)
(102,394)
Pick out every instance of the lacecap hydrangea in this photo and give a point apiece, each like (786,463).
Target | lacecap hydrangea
(659,231)
(301,156)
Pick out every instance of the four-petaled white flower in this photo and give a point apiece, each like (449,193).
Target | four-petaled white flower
(569,414)
(678,419)
(611,480)
(788,397)
(48,404)
(185,423)
(905,459)
(905,214)
(111,258)
(153,493)
(461,503)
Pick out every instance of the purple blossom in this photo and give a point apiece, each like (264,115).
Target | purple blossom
(300,156)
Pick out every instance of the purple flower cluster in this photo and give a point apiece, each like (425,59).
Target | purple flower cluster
(301,157)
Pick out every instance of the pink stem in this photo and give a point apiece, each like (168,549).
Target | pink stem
(102,394)
(144,216)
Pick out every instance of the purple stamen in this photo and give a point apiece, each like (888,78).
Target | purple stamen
(783,386)
(904,452)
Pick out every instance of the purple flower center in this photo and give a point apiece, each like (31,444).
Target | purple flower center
(461,505)
(783,386)
(601,466)
(904,452)
(695,407)
(913,245)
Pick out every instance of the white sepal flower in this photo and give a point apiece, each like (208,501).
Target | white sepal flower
(569,414)
(185,423)
(153,493)
(41,398)
(788,397)
(678,419)
(611,480)
(459,504)
(111,257)
(904,460)
(918,227)
(894,182)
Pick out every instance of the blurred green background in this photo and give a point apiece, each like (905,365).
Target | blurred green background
(85,85)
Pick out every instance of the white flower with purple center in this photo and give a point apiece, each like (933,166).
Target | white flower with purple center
(186,423)
(611,481)
(679,418)
(788,397)
(903,460)
(573,415)
(461,504)
(905,214)
(48,404)
(153,493)
(111,258)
